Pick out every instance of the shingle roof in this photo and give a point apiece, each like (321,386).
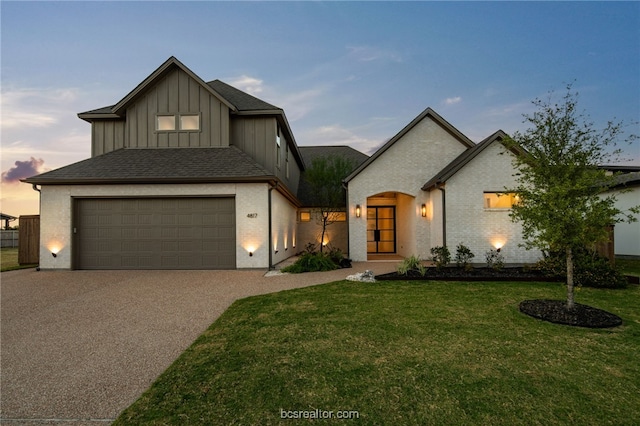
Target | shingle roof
(159,165)
(241,100)
(310,153)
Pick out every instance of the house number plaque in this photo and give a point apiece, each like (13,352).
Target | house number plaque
(252,215)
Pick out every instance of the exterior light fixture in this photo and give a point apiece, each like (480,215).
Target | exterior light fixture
(250,253)
(54,254)
(423,210)
(358,210)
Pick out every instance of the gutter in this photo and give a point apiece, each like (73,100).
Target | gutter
(270,245)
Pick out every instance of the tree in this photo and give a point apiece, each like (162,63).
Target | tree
(560,187)
(324,178)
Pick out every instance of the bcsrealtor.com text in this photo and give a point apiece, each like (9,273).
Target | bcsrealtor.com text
(319,414)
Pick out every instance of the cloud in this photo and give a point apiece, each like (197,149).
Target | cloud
(23,169)
(452,101)
(251,85)
(370,53)
(34,108)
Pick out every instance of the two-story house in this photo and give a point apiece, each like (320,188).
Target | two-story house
(184,174)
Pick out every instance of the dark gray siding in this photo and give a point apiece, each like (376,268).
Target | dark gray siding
(107,136)
(177,93)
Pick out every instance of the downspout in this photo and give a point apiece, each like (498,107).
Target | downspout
(271,188)
(346,190)
(444,216)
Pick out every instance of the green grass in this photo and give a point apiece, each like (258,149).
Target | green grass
(404,353)
(629,266)
(9,260)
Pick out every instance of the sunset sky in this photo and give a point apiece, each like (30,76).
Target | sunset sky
(351,73)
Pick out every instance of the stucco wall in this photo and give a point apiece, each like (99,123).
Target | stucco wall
(478,228)
(251,231)
(404,167)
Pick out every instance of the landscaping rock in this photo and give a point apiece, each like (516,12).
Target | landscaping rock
(365,277)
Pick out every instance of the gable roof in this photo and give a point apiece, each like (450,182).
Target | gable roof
(310,153)
(159,165)
(463,159)
(426,113)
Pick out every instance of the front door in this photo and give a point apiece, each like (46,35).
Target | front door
(381,229)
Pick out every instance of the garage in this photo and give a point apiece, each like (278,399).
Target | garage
(154,233)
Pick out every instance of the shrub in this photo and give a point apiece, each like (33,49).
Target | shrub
(590,269)
(463,257)
(440,256)
(495,260)
(312,262)
(412,263)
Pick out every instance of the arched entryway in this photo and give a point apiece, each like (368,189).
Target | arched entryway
(390,225)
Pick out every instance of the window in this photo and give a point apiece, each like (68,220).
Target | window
(183,122)
(190,122)
(305,216)
(286,161)
(166,122)
(278,145)
(499,200)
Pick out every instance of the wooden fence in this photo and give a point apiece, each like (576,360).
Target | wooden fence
(607,249)
(29,248)
(9,238)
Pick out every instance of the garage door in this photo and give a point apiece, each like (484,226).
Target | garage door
(155,233)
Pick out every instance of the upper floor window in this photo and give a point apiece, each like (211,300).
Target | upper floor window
(181,122)
(286,161)
(499,200)
(278,145)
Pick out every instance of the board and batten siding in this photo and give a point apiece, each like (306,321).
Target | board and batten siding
(107,136)
(177,93)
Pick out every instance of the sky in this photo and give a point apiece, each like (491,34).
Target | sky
(346,73)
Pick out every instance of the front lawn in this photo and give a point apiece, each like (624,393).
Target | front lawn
(9,260)
(435,353)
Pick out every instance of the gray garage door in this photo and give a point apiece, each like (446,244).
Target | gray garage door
(155,233)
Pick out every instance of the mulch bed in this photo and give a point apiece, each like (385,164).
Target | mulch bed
(476,274)
(556,311)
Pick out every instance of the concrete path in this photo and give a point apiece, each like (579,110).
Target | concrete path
(78,347)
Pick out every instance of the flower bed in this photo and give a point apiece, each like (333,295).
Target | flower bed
(474,274)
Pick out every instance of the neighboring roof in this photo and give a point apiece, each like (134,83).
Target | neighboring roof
(159,165)
(7,217)
(310,153)
(625,180)
(463,159)
(426,113)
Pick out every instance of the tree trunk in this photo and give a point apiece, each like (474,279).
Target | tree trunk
(570,301)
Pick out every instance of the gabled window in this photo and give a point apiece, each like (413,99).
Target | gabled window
(166,122)
(499,200)
(286,161)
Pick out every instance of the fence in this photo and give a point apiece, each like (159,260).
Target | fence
(29,249)
(9,238)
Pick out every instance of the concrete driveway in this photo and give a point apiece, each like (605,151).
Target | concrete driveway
(78,347)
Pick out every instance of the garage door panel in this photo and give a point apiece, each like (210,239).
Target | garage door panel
(174,233)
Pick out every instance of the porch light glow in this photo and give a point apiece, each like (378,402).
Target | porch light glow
(358,212)
(498,243)
(423,210)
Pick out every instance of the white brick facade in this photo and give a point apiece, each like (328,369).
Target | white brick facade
(454,210)
(252,217)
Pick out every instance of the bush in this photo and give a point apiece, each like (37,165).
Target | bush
(463,257)
(494,259)
(589,269)
(312,262)
(440,256)
(412,263)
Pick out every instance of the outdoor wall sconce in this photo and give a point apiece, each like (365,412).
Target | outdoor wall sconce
(250,253)
(54,254)
(357,210)
(423,210)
